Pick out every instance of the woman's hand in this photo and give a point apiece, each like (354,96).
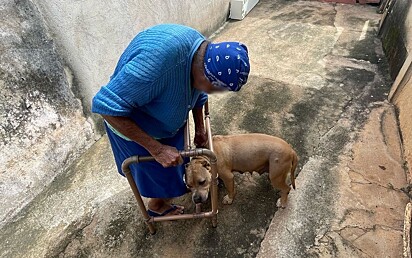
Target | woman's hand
(167,156)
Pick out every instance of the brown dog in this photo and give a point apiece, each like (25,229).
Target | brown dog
(241,153)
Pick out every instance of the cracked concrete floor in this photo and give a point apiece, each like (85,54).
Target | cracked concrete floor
(368,202)
(319,80)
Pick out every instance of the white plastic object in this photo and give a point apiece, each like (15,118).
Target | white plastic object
(240,8)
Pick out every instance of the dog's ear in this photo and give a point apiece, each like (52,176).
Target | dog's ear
(206,164)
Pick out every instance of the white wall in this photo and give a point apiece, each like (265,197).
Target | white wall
(42,126)
(92,34)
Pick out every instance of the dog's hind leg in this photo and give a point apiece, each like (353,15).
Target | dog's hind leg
(278,174)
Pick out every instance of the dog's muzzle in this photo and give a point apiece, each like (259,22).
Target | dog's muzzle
(197,199)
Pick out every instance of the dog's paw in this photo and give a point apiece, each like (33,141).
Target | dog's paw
(279,204)
(227,200)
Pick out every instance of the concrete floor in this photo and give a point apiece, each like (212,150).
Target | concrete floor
(319,80)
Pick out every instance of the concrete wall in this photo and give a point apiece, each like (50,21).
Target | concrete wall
(42,126)
(92,34)
(404,104)
(396,34)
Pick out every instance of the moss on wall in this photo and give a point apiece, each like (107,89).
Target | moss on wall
(394,36)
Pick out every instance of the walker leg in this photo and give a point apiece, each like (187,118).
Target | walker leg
(214,221)
(151,227)
(214,167)
(139,200)
(214,198)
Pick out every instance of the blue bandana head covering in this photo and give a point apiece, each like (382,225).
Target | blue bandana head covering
(227,65)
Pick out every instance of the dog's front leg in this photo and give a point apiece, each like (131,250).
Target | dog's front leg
(229,181)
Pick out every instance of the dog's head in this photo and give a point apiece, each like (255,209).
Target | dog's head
(198,179)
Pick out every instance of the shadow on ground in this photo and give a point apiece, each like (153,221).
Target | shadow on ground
(117,228)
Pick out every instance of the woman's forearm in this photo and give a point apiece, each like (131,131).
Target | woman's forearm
(198,119)
(200,133)
(131,130)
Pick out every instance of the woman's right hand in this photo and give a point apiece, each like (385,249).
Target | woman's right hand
(167,156)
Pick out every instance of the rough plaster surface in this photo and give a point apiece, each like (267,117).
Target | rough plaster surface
(404,105)
(93,34)
(42,127)
(314,82)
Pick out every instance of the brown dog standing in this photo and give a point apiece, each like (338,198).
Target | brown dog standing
(241,153)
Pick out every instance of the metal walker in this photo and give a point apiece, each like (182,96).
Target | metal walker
(185,153)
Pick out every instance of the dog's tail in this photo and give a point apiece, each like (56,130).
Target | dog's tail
(295,160)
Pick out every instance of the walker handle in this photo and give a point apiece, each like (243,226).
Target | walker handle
(184,154)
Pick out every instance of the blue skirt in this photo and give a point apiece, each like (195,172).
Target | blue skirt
(152,179)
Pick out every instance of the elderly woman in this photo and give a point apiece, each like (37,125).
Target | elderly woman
(166,71)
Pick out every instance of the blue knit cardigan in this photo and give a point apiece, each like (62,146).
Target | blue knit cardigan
(152,81)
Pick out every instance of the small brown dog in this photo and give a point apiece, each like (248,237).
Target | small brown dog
(241,153)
